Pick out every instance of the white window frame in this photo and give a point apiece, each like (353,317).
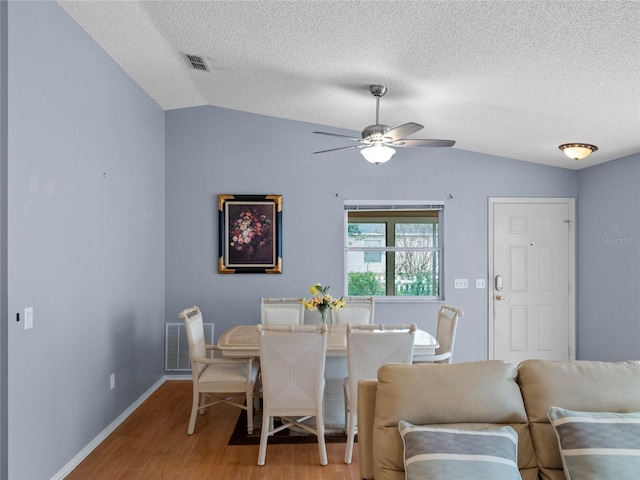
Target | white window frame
(391,206)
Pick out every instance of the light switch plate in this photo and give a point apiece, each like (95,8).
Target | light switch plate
(480,283)
(28,318)
(461,283)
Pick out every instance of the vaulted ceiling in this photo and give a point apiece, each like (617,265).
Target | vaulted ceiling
(506,78)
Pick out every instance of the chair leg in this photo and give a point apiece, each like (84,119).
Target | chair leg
(249,413)
(351,431)
(322,448)
(203,401)
(264,434)
(194,413)
(346,405)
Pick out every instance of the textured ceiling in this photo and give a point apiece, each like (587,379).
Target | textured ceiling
(506,78)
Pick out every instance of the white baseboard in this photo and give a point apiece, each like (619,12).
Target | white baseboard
(75,461)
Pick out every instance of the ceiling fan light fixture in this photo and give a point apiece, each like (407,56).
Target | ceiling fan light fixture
(577,151)
(377,153)
(377,138)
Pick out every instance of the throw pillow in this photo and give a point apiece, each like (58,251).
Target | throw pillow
(438,453)
(598,445)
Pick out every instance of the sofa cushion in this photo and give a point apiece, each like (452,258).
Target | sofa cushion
(464,393)
(589,386)
(598,445)
(434,453)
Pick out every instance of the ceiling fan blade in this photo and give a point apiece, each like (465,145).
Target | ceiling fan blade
(339,148)
(421,142)
(403,130)
(338,135)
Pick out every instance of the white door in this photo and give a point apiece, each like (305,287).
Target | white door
(531,279)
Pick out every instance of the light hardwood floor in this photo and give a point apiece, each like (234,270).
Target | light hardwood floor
(153,444)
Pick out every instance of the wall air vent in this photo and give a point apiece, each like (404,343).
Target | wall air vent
(196,62)
(176,348)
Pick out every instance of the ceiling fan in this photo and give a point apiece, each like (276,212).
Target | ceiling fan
(377,140)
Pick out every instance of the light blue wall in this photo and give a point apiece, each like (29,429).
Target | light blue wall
(212,150)
(4,366)
(86,239)
(609,260)
(88,250)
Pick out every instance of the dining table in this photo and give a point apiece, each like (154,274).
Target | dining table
(243,341)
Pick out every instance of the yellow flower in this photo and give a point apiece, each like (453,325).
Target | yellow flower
(322,300)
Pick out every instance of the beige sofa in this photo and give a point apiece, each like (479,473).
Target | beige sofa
(485,395)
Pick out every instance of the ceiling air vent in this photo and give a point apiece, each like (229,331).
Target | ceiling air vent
(196,62)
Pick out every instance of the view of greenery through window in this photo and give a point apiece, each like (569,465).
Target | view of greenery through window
(393,253)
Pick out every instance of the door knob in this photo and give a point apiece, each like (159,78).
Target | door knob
(500,297)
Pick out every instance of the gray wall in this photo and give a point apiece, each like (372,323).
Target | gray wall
(4,367)
(609,260)
(88,250)
(212,150)
(86,239)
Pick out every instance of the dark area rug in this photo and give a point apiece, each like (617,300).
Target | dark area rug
(286,436)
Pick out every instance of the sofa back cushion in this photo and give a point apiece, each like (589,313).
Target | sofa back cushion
(586,386)
(475,395)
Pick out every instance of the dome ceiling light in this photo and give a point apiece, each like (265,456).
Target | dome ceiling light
(577,151)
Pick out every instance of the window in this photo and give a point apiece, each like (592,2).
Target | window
(394,250)
(373,256)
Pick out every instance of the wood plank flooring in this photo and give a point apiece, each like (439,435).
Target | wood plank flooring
(153,444)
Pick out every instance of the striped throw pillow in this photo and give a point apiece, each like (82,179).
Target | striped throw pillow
(598,445)
(443,453)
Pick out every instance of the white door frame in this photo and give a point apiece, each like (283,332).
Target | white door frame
(571,202)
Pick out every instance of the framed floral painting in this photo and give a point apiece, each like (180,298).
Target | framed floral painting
(250,233)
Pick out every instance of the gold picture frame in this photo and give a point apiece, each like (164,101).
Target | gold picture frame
(250,233)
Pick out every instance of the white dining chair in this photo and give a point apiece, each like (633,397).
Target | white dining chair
(446,335)
(281,311)
(357,311)
(216,377)
(368,348)
(292,359)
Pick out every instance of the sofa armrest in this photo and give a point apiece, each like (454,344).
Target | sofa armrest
(366,413)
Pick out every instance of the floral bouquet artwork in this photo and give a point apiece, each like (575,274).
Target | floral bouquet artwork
(322,301)
(249,231)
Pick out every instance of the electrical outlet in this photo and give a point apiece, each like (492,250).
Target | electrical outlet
(480,283)
(461,283)
(112,381)
(28,318)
